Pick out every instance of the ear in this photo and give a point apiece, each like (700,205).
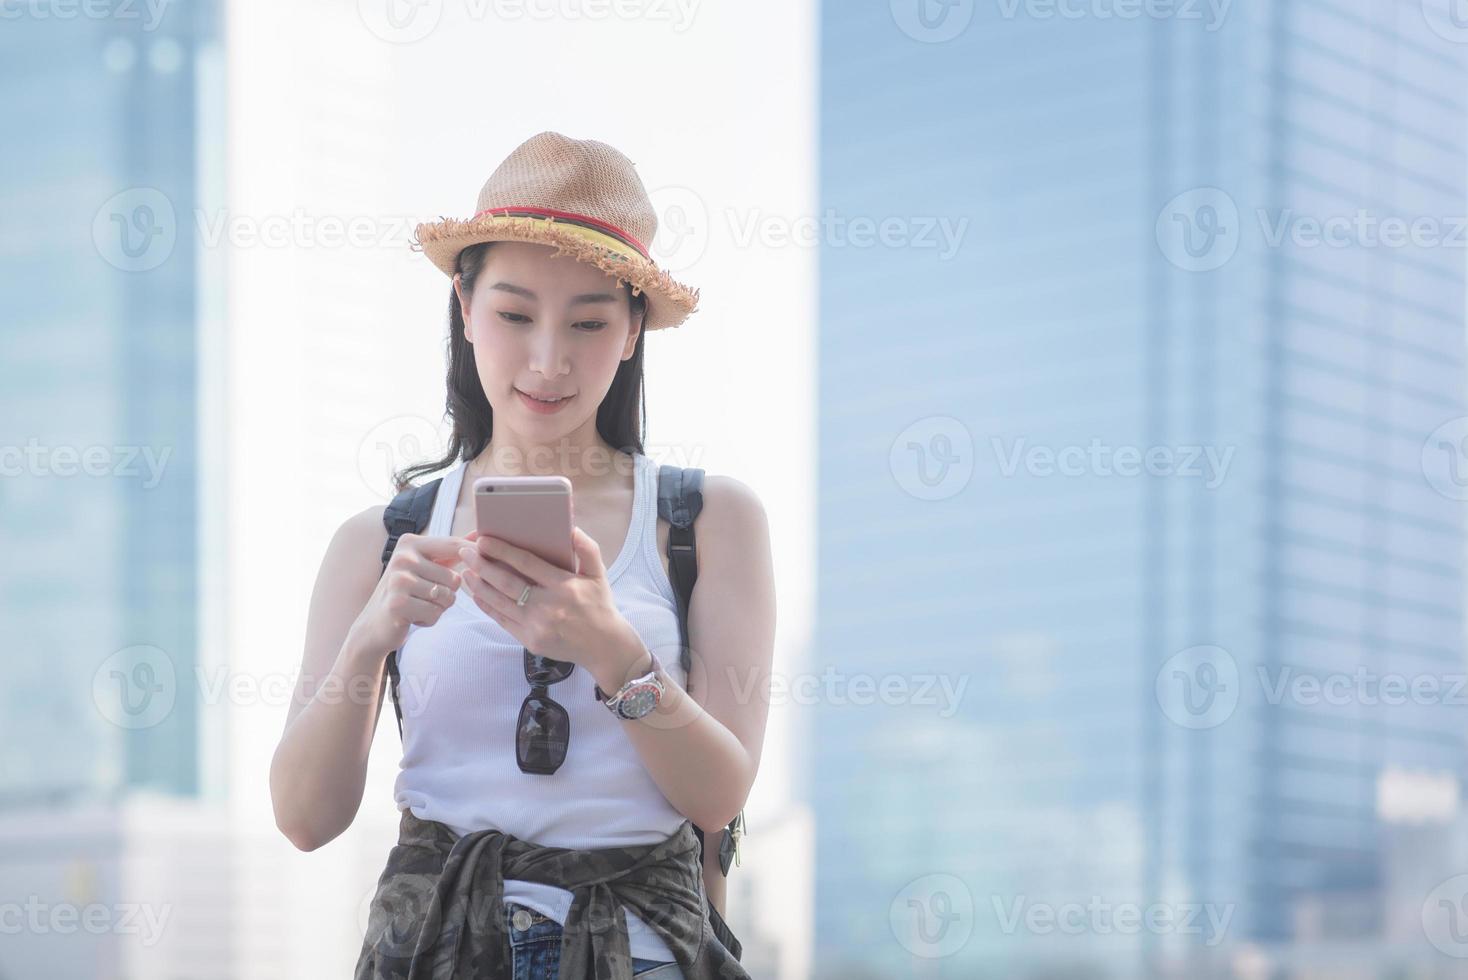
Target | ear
(637,325)
(463,307)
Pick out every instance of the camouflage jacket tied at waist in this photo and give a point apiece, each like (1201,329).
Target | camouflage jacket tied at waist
(438,912)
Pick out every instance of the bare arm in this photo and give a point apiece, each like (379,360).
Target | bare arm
(320,766)
(703,750)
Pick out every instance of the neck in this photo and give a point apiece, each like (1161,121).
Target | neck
(589,468)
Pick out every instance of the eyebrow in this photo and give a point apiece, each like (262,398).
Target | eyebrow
(510,287)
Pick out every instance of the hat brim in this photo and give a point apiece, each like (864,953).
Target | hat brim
(669,302)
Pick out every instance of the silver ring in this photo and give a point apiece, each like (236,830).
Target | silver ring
(433,592)
(523,596)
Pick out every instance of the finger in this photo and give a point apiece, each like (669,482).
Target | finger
(435,574)
(533,567)
(492,601)
(435,592)
(495,574)
(588,554)
(436,547)
(420,612)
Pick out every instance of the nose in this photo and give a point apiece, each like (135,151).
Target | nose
(547,351)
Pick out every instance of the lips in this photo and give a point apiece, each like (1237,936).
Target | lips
(543,408)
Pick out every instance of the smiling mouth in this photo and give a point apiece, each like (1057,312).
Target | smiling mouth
(539,407)
(544,400)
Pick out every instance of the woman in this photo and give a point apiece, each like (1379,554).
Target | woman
(591,869)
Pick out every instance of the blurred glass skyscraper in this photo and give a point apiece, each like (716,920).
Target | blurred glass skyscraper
(1142,436)
(113,118)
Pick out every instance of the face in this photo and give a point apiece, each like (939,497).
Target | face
(548,325)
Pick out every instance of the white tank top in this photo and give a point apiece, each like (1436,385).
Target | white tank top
(458,765)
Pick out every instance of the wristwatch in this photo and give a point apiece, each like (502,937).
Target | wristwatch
(638,696)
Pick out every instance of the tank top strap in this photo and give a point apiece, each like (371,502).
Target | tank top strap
(442,520)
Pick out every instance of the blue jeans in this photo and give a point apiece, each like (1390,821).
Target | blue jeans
(536,950)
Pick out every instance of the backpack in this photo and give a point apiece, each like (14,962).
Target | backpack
(680,498)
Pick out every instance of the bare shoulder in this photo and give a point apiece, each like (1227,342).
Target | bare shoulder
(733,529)
(355,552)
(369,519)
(731,525)
(731,507)
(364,530)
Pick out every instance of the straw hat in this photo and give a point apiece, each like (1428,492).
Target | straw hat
(584,198)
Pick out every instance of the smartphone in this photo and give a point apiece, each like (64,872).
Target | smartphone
(530,512)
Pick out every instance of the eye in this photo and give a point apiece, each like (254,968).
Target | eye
(588,326)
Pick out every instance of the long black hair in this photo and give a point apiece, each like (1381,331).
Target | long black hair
(620,420)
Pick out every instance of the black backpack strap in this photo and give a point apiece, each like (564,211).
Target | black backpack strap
(680,498)
(409,512)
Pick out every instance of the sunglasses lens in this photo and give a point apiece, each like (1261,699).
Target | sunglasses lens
(541,735)
(544,670)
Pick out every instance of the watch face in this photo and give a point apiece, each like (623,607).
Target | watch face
(640,701)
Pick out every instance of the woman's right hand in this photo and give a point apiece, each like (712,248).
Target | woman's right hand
(419,583)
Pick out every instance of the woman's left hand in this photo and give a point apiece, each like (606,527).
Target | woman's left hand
(569,615)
